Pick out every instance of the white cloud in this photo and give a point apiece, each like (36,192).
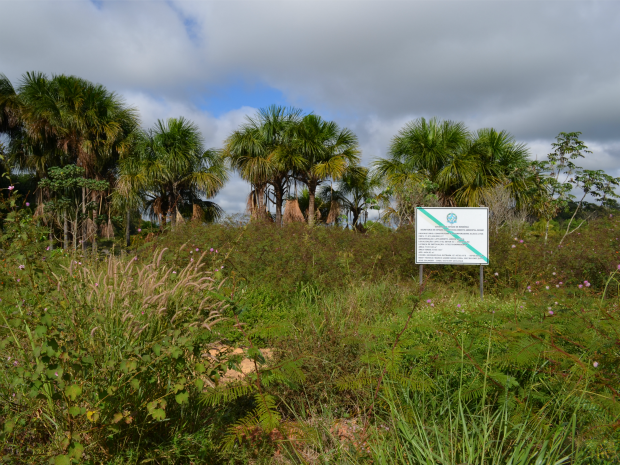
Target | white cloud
(532,68)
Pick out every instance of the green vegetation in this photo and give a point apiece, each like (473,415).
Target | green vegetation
(201,338)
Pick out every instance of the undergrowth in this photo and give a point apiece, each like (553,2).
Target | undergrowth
(139,358)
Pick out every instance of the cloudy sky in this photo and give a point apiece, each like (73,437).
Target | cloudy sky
(534,68)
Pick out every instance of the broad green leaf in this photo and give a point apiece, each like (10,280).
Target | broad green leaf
(157,349)
(158,414)
(200,368)
(76,450)
(74,411)
(73,391)
(135,383)
(175,352)
(8,426)
(117,417)
(182,397)
(40,330)
(62,460)
(199,383)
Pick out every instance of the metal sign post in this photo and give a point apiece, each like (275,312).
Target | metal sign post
(452,236)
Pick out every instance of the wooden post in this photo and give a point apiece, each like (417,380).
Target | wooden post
(481,282)
(421,274)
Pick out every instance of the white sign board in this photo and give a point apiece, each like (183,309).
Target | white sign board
(452,236)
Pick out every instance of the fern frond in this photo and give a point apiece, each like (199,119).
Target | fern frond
(218,395)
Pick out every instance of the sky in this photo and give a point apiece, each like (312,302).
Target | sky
(533,68)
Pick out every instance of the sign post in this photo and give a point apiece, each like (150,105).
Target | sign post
(452,236)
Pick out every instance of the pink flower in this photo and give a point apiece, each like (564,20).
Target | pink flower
(135,258)
(550,312)
(96,284)
(561,283)
(458,305)
(580,286)
(211,250)
(432,305)
(547,287)
(11,188)
(174,272)
(521,241)
(21,267)
(197,249)
(619,267)
(529,287)
(47,248)
(139,230)
(595,364)
(216,251)
(587,284)
(56,373)
(537,282)
(18,280)
(553,273)
(191,259)
(428,301)
(27,204)
(513,246)
(222,266)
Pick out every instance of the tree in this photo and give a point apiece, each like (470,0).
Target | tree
(553,179)
(65,120)
(597,184)
(170,169)
(320,150)
(257,151)
(355,193)
(66,185)
(460,163)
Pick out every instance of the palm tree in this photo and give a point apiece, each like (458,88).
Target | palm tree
(354,193)
(320,150)
(256,152)
(462,164)
(65,120)
(169,169)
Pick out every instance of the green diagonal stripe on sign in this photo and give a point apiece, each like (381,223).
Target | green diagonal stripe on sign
(445,228)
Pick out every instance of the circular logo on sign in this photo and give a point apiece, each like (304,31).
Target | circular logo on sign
(451,218)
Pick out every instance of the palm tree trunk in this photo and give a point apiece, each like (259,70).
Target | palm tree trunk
(311,198)
(65,228)
(173,209)
(84,221)
(127,226)
(94,248)
(278,192)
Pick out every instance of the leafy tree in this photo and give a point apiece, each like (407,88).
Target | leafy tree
(170,170)
(66,185)
(257,151)
(320,150)
(553,179)
(356,193)
(462,164)
(65,120)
